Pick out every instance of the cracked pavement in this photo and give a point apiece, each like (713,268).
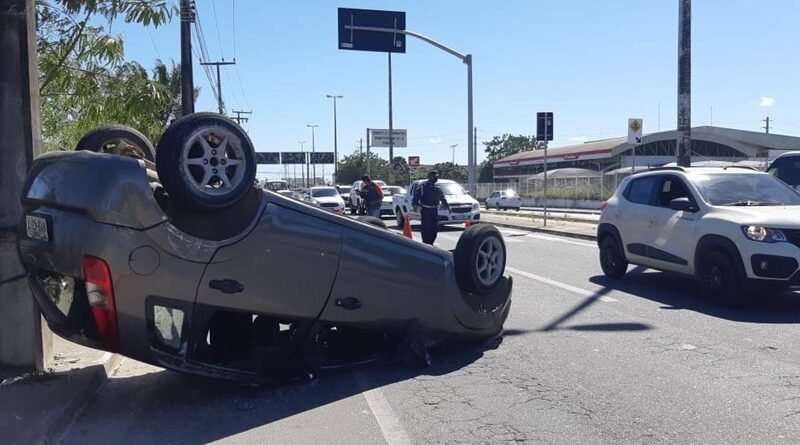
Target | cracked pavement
(653,365)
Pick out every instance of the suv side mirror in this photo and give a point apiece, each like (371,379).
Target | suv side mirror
(682,204)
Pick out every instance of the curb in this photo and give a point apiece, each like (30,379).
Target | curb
(54,428)
(544,230)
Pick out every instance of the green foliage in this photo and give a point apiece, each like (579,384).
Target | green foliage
(485,172)
(448,170)
(506,145)
(84,80)
(354,166)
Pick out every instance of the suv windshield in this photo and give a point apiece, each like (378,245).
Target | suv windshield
(449,188)
(747,189)
(277,185)
(787,169)
(343,189)
(318,193)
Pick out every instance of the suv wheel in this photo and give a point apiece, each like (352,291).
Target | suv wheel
(612,259)
(720,280)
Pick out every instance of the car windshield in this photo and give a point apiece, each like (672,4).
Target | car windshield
(343,189)
(746,189)
(389,191)
(322,193)
(450,188)
(509,194)
(787,169)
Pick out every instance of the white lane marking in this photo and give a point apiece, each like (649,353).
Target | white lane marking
(392,430)
(567,287)
(512,232)
(559,239)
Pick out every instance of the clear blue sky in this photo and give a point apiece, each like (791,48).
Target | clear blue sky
(593,63)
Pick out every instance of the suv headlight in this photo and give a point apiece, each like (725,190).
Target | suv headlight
(444,207)
(763,234)
(476,207)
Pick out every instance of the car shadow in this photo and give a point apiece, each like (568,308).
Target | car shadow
(176,408)
(680,293)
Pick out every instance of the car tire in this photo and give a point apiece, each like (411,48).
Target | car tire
(497,206)
(401,220)
(612,258)
(377,222)
(720,279)
(480,258)
(118,139)
(486,204)
(192,171)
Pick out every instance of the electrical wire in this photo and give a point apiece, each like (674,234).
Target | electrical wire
(216,22)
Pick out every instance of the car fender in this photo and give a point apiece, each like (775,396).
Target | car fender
(710,242)
(606,229)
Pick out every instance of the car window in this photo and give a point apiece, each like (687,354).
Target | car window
(494,195)
(744,189)
(671,188)
(640,190)
(326,192)
(787,169)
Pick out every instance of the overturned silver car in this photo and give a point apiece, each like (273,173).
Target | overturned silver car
(197,270)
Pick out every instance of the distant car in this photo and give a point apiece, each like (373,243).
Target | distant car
(387,205)
(786,167)
(344,192)
(460,205)
(356,202)
(327,198)
(276,185)
(734,229)
(288,194)
(504,199)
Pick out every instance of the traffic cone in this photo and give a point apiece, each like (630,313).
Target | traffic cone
(467,223)
(407,227)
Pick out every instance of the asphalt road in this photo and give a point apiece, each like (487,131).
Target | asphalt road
(583,361)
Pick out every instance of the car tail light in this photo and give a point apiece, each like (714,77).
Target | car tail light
(603,205)
(100,293)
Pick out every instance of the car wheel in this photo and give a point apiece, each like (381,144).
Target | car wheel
(612,259)
(486,204)
(480,258)
(497,206)
(401,221)
(377,222)
(206,161)
(118,140)
(720,279)
(362,210)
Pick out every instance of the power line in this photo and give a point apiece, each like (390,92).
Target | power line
(216,22)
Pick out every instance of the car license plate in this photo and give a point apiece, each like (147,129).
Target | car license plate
(36,228)
(459,216)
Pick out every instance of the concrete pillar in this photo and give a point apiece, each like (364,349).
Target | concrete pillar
(24,343)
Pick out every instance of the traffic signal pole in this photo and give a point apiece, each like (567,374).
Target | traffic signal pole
(25,344)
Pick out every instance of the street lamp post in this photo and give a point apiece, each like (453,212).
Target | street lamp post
(335,137)
(313,150)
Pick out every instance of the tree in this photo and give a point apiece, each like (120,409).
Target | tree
(448,170)
(401,171)
(506,145)
(80,61)
(354,166)
(485,172)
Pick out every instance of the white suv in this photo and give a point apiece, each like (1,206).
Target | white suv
(728,227)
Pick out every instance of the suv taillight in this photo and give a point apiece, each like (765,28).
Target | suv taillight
(100,293)
(603,205)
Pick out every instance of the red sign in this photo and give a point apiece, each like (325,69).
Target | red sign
(413,162)
(570,157)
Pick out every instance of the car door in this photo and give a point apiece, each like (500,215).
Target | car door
(634,218)
(492,201)
(671,233)
(286,266)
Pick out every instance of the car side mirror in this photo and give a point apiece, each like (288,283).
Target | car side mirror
(682,205)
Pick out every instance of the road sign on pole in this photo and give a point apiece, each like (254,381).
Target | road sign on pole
(322,157)
(380,137)
(634,138)
(268,158)
(544,126)
(363,40)
(413,162)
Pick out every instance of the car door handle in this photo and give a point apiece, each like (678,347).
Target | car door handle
(226,285)
(348,303)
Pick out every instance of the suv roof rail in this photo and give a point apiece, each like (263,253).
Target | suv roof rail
(654,169)
(745,167)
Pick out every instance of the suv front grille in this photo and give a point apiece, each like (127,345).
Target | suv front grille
(463,209)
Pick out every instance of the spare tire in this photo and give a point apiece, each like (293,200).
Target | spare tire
(377,222)
(119,140)
(206,162)
(480,258)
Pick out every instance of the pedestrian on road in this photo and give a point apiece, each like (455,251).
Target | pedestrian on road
(428,196)
(372,195)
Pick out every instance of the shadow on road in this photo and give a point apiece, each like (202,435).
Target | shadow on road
(167,407)
(680,293)
(611,327)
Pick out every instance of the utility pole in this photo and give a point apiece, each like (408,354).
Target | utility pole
(361,145)
(475,144)
(391,129)
(453,147)
(335,137)
(305,184)
(313,150)
(767,127)
(368,156)
(25,344)
(238,118)
(187,74)
(220,105)
(684,83)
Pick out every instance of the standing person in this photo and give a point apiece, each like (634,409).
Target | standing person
(428,196)
(372,195)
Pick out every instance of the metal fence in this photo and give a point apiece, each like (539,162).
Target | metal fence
(577,188)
